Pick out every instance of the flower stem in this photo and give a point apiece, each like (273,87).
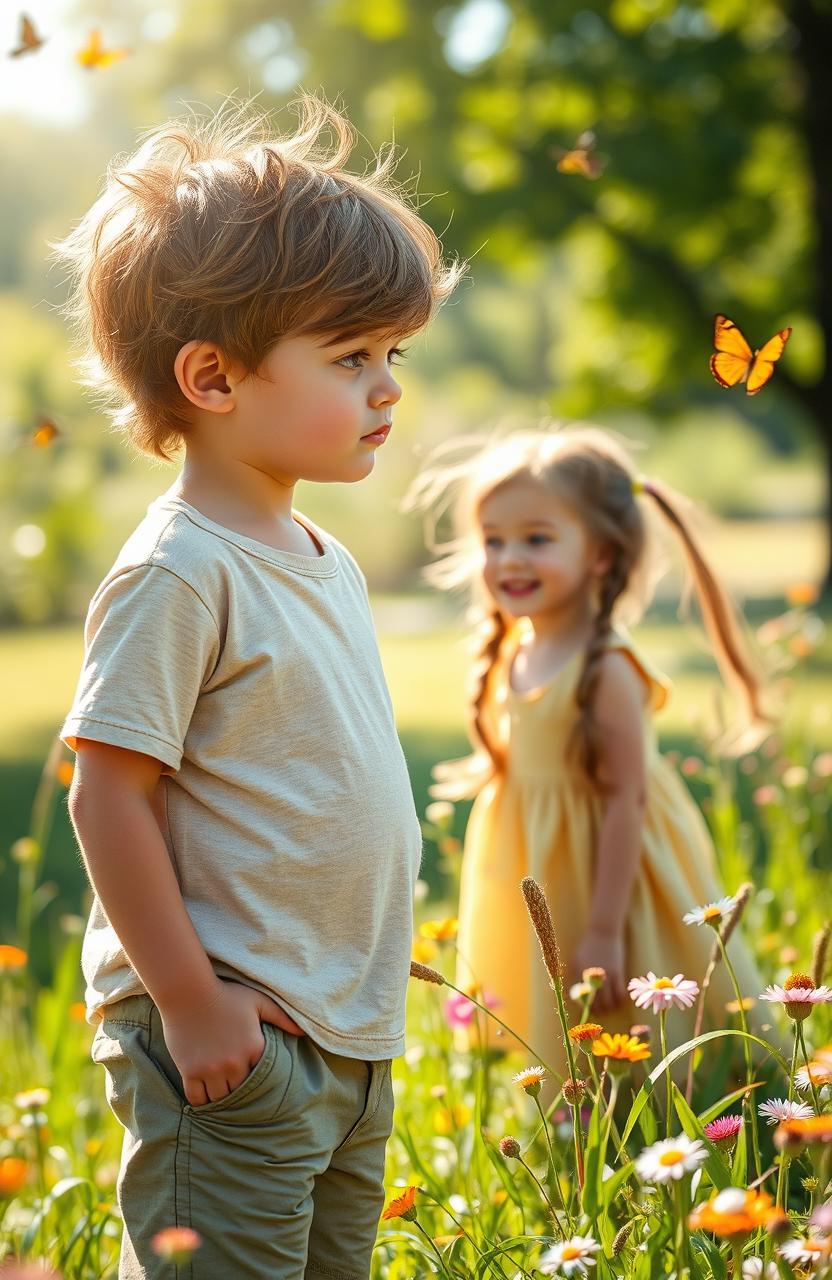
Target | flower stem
(576,1110)
(445,1270)
(663,1042)
(553,1165)
(749,1066)
(815,1098)
(548,1202)
(784,1159)
(555,1074)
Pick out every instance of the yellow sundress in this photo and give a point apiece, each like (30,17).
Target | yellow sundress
(534,820)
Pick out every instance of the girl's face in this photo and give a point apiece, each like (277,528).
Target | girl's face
(538,558)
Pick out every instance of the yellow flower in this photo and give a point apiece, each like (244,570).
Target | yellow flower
(733,1006)
(620,1048)
(402,1207)
(423,950)
(448,1119)
(440,930)
(11,958)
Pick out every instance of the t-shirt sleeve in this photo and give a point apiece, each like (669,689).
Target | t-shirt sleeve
(150,644)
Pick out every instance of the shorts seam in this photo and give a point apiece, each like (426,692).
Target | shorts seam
(329,1273)
(366,1120)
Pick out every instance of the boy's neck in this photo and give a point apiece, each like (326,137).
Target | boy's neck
(245,501)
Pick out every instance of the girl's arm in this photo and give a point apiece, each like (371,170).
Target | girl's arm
(619,707)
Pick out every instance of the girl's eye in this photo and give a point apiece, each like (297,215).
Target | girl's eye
(492,542)
(539,539)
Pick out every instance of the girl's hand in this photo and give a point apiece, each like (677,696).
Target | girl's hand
(607,952)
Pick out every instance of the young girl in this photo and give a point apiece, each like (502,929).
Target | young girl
(552,536)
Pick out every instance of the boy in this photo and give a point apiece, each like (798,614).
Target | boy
(241,800)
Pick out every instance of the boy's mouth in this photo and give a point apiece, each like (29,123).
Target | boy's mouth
(379,435)
(519,586)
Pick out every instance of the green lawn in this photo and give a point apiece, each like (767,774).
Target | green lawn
(425,658)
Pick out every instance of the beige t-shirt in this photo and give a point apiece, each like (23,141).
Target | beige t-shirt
(254,676)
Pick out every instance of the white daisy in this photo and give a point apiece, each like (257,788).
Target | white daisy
(711,914)
(662,993)
(756,1269)
(570,1257)
(817,1074)
(670,1159)
(807,1250)
(777,1109)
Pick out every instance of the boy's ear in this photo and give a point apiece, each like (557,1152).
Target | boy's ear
(205,376)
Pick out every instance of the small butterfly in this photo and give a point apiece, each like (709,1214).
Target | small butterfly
(95,55)
(29,39)
(45,433)
(581,158)
(734,361)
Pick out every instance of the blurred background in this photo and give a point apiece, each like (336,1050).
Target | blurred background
(706,187)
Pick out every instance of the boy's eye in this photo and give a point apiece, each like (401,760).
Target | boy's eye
(356,359)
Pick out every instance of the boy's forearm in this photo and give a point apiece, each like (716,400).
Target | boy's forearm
(616,864)
(129,867)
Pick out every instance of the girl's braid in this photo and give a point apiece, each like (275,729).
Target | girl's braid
(585,740)
(493,631)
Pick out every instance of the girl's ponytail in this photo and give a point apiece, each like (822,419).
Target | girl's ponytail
(719,615)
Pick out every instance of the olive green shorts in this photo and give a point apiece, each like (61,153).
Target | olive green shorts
(282,1179)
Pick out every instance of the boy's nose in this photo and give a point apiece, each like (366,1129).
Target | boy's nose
(387,391)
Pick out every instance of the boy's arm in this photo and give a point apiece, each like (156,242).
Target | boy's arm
(619,706)
(211,1027)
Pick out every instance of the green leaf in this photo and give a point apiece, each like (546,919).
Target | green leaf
(715,1167)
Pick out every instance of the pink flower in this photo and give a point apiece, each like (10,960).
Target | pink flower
(766,795)
(176,1244)
(777,1109)
(657,994)
(459,1010)
(724,1131)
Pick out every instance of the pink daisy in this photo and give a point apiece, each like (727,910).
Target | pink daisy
(798,996)
(657,994)
(724,1131)
(777,1109)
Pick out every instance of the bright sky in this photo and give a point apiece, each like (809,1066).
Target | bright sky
(47,84)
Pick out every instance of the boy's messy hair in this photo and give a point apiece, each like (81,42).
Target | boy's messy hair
(217,230)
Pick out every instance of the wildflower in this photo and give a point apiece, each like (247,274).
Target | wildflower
(439,930)
(78,1011)
(440,813)
(734,1006)
(569,1257)
(766,795)
(671,1159)
(640,1030)
(31,1098)
(449,1119)
(691,766)
(657,994)
(425,973)
(724,1131)
(777,1109)
(800,1130)
(620,1049)
(801,593)
(509,1147)
(823,764)
(423,951)
(574,1091)
(809,1251)
(585,1031)
(594,975)
(795,776)
(402,1207)
(713,914)
(64,772)
(822,1218)
(11,958)
(798,995)
(580,991)
(756,1269)
(176,1244)
(530,1079)
(818,1073)
(459,1010)
(13,1174)
(733,1212)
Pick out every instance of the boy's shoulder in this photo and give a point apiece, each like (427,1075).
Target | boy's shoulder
(167,538)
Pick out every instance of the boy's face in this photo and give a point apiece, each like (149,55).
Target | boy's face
(315,410)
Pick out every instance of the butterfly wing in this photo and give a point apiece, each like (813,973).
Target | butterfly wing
(581,161)
(732,359)
(45,433)
(29,38)
(764,361)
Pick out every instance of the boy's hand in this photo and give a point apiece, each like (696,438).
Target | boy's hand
(607,951)
(217,1041)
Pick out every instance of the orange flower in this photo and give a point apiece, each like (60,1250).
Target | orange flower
(440,930)
(11,958)
(801,593)
(796,1130)
(733,1212)
(620,1048)
(585,1031)
(78,1011)
(176,1244)
(13,1174)
(64,772)
(402,1207)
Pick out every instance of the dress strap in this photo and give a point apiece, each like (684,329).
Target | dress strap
(658,685)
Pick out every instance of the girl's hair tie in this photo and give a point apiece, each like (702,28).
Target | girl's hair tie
(639,484)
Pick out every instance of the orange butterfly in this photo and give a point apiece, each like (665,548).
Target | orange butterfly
(95,55)
(581,158)
(734,361)
(30,41)
(45,433)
